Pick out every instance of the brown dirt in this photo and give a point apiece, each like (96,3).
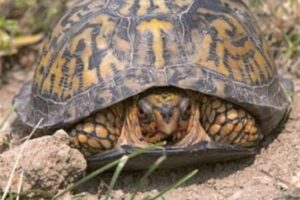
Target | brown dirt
(47,163)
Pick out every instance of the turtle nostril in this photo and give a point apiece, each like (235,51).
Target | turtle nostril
(167,113)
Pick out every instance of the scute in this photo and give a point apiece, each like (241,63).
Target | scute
(102,52)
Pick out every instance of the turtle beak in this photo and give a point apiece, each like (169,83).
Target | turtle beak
(166,113)
(167,120)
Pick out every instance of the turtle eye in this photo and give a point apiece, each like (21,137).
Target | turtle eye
(185,108)
(187,113)
(141,112)
(144,109)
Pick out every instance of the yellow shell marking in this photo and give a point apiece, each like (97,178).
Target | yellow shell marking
(125,10)
(144,5)
(182,3)
(121,44)
(156,26)
(89,75)
(235,67)
(220,50)
(257,62)
(38,78)
(203,58)
(75,82)
(55,70)
(107,27)
(161,6)
(254,75)
(268,57)
(106,71)
(261,61)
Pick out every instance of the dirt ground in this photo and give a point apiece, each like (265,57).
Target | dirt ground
(274,173)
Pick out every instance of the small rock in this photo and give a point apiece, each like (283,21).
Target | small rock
(118,194)
(47,162)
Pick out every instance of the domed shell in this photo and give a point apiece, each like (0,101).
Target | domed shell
(102,52)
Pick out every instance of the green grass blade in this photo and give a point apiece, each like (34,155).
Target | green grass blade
(117,172)
(142,181)
(106,167)
(174,185)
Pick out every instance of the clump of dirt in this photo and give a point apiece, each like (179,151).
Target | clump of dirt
(47,163)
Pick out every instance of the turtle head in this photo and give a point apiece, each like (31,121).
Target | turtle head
(163,112)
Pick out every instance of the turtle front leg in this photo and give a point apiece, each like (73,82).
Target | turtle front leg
(99,132)
(228,123)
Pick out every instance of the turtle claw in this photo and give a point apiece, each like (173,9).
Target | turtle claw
(131,134)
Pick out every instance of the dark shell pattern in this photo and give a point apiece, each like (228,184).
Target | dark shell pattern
(102,52)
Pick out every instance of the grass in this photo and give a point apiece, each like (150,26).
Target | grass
(21,28)
(283,33)
(140,184)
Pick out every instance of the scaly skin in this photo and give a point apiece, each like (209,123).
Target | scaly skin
(180,117)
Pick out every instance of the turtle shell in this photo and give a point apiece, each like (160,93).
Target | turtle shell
(102,52)
(193,155)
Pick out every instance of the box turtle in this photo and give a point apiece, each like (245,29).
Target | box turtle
(123,74)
